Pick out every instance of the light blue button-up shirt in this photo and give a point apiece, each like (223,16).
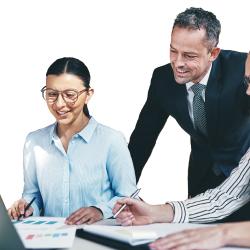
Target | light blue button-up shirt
(96,171)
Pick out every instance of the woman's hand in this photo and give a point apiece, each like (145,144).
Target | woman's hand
(234,234)
(84,214)
(140,213)
(200,238)
(18,208)
(135,213)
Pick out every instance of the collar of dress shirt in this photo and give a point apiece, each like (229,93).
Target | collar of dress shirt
(86,133)
(203,81)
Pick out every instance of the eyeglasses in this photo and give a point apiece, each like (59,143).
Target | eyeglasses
(68,95)
(246,80)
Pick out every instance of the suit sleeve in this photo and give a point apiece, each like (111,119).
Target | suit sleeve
(150,123)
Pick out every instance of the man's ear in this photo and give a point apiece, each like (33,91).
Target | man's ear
(214,52)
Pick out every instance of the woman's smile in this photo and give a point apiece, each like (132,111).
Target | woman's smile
(62,113)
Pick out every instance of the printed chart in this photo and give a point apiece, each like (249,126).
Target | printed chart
(46,236)
(61,238)
(40,223)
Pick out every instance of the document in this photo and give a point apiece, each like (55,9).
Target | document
(136,235)
(39,223)
(61,238)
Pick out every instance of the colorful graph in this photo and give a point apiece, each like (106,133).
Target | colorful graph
(32,236)
(32,222)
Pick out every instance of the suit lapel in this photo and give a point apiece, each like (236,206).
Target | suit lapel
(212,96)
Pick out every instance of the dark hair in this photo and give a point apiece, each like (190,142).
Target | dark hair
(196,18)
(74,67)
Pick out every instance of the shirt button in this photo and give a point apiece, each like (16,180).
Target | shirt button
(65,180)
(73,141)
(66,201)
(76,135)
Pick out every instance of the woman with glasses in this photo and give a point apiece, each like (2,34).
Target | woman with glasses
(75,168)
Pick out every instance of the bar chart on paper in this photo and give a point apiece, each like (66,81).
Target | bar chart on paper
(61,238)
(39,223)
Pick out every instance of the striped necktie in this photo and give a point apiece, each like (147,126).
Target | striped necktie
(200,119)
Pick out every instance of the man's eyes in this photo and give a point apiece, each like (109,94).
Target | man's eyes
(188,56)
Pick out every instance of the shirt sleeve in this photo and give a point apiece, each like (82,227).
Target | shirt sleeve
(31,188)
(121,174)
(220,202)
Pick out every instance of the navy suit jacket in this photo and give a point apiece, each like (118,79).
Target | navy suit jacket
(227,111)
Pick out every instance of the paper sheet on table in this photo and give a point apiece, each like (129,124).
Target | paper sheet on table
(136,235)
(61,238)
(39,223)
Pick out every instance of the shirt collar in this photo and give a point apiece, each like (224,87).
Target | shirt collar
(203,81)
(86,133)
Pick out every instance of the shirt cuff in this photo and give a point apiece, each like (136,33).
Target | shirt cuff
(180,212)
(106,211)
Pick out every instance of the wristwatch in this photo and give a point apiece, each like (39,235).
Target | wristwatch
(247,80)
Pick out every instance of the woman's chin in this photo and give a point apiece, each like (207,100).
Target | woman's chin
(63,121)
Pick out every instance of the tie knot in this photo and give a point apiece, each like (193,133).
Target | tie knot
(197,88)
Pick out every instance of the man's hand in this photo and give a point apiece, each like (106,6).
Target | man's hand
(84,214)
(18,208)
(140,213)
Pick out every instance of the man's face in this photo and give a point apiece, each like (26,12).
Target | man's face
(247,71)
(189,56)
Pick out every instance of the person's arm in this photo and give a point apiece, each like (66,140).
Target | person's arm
(233,234)
(121,174)
(217,203)
(149,125)
(31,187)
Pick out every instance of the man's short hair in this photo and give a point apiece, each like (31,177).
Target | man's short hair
(196,18)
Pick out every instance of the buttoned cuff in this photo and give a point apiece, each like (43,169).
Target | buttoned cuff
(180,212)
(106,211)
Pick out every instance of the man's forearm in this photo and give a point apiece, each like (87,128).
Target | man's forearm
(162,213)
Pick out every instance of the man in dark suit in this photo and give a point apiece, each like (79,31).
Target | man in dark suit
(202,88)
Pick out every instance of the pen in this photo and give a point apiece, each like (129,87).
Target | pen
(26,208)
(132,196)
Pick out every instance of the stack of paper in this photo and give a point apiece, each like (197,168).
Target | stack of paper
(136,235)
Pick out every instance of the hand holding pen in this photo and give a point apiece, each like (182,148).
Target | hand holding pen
(136,212)
(20,209)
(120,210)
